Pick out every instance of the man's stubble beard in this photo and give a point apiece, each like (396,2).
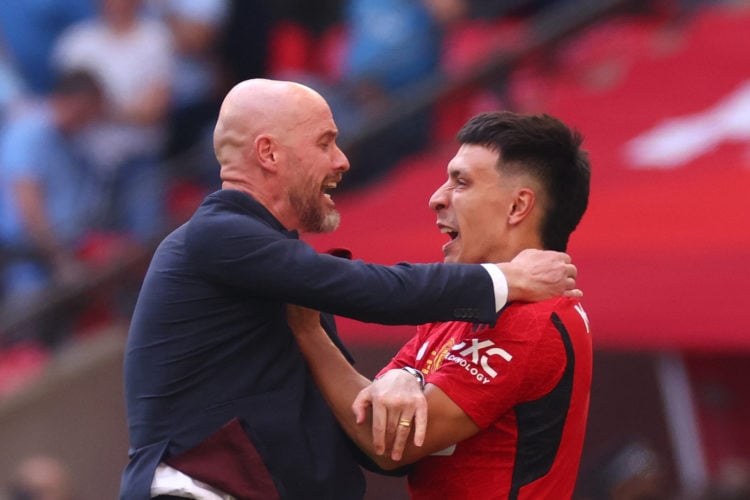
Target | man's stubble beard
(313,216)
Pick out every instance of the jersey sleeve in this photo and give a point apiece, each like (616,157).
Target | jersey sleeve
(496,368)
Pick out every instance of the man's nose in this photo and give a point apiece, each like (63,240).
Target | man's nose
(439,199)
(342,162)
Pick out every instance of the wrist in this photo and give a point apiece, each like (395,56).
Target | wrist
(417,374)
(513,278)
(499,285)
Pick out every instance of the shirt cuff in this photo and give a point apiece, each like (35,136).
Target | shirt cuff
(500,285)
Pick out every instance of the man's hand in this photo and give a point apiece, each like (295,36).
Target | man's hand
(536,275)
(396,398)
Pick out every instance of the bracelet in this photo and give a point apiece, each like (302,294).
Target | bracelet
(416,373)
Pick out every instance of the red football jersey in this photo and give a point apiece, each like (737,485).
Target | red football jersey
(525,382)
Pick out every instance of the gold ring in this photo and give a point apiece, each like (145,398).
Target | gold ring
(405,423)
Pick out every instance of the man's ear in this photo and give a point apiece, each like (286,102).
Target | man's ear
(266,152)
(523,202)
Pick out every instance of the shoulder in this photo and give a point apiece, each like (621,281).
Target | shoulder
(220,225)
(78,41)
(216,217)
(527,321)
(520,311)
(80,32)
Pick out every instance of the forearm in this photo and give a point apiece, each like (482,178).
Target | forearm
(30,206)
(340,383)
(408,293)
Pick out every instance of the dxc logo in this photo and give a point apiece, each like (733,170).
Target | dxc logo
(480,353)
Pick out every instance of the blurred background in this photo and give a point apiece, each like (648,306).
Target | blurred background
(106,114)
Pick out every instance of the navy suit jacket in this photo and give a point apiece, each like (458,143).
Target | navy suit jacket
(214,380)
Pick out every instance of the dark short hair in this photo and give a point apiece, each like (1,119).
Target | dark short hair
(77,82)
(547,149)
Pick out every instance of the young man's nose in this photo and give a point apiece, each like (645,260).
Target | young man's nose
(439,199)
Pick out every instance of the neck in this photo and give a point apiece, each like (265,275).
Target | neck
(277,205)
(517,244)
(122,26)
(61,117)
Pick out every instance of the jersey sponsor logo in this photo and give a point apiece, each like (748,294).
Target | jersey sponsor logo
(474,356)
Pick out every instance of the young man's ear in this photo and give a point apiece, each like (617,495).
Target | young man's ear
(523,203)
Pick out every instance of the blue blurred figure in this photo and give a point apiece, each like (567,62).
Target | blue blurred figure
(47,193)
(30,29)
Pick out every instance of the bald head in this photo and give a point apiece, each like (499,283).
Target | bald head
(256,107)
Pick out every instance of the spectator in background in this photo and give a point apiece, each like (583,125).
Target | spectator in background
(41,478)
(47,188)
(196,92)
(30,28)
(133,56)
(12,87)
(392,44)
(629,469)
(388,45)
(732,481)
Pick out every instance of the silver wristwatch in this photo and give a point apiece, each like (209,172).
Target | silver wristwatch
(416,373)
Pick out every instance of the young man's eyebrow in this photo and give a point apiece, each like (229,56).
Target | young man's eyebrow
(454,172)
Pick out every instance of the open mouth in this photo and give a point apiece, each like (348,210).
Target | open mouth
(329,186)
(452,233)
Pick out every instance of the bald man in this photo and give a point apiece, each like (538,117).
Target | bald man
(220,404)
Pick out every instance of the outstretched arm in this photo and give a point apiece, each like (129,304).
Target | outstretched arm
(340,385)
(263,261)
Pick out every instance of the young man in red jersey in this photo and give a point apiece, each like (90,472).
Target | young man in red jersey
(507,402)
